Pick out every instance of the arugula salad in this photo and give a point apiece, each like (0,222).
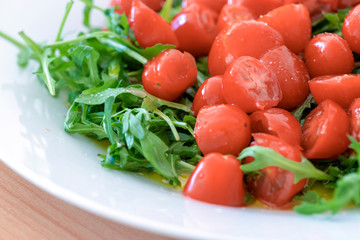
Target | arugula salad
(103,70)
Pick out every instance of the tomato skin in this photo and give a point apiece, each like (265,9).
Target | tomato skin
(149,27)
(347,3)
(275,187)
(231,14)
(246,38)
(217,179)
(258,7)
(277,122)
(215,5)
(284,18)
(155,5)
(325,131)
(291,73)
(170,74)
(195,29)
(222,128)
(327,54)
(351,29)
(354,116)
(250,85)
(342,89)
(209,93)
(124,6)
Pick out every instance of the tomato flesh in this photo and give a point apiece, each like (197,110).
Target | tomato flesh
(354,116)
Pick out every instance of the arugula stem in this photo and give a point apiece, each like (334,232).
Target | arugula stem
(169,122)
(185,166)
(91,5)
(12,40)
(67,11)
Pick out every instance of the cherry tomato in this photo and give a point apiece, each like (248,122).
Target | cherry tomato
(325,131)
(342,89)
(155,5)
(291,73)
(232,14)
(275,186)
(351,29)
(328,53)
(250,85)
(354,116)
(209,93)
(217,179)
(215,5)
(195,28)
(149,27)
(169,74)
(258,7)
(284,18)
(348,3)
(222,128)
(124,6)
(277,122)
(246,38)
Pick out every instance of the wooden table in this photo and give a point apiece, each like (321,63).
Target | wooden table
(27,212)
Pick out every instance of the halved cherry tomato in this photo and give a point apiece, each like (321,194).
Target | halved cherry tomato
(246,38)
(284,18)
(195,28)
(169,74)
(258,7)
(231,14)
(277,122)
(342,89)
(274,186)
(222,128)
(215,5)
(351,29)
(249,84)
(291,73)
(149,27)
(328,53)
(217,179)
(354,116)
(155,5)
(325,131)
(209,93)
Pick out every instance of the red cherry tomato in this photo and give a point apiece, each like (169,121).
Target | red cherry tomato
(195,28)
(169,74)
(209,93)
(231,14)
(284,18)
(217,179)
(348,3)
(274,186)
(250,85)
(342,89)
(277,122)
(124,6)
(351,29)
(155,5)
(246,38)
(328,53)
(222,128)
(325,131)
(291,73)
(258,7)
(215,5)
(149,27)
(354,116)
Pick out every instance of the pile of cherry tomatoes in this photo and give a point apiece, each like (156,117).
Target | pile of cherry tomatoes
(264,63)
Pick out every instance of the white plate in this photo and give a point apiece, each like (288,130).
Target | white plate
(33,143)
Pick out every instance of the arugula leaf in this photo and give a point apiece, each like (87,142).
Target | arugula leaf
(266,157)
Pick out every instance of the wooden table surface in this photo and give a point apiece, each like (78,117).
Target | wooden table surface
(27,212)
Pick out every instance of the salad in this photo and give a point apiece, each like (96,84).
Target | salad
(243,120)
